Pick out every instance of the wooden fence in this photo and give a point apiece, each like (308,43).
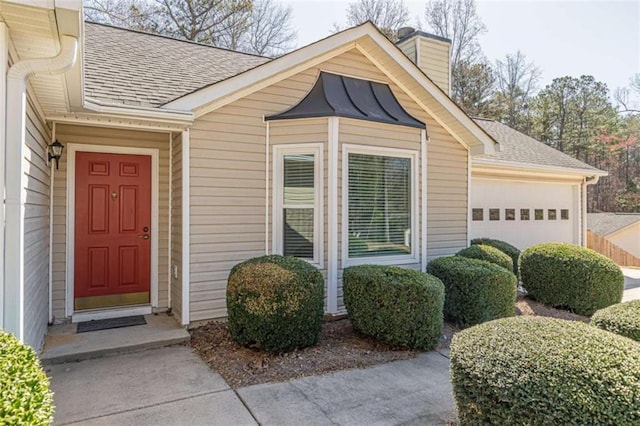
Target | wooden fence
(612,251)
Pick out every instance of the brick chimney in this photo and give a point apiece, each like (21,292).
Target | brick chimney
(430,53)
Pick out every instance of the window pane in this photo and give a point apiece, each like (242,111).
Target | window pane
(379,205)
(298,233)
(539,214)
(478,214)
(524,214)
(299,173)
(564,214)
(494,214)
(510,214)
(552,214)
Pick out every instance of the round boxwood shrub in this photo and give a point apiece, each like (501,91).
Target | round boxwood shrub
(276,303)
(488,253)
(571,277)
(621,318)
(503,246)
(544,371)
(25,398)
(398,306)
(475,290)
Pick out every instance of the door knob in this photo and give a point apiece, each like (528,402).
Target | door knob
(144,237)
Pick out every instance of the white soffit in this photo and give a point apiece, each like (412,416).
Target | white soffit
(34,34)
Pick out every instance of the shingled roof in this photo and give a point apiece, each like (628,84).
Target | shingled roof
(607,223)
(520,148)
(138,69)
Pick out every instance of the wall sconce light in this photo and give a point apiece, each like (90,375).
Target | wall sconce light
(55,152)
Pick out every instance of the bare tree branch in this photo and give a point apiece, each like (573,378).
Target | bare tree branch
(387,15)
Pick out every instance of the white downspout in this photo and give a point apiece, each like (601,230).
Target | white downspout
(15,177)
(4,61)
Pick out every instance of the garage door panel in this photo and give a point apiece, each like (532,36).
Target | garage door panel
(555,200)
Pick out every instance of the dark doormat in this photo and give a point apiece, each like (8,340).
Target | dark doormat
(105,324)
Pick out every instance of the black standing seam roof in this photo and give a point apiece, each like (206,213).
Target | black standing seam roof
(336,95)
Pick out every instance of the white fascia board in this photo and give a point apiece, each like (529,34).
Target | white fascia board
(484,164)
(140,112)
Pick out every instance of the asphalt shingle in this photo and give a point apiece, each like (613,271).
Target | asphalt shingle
(137,69)
(520,148)
(607,223)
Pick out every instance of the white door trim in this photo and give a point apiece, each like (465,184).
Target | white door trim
(72,149)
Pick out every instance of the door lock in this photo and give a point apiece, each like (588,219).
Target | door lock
(144,237)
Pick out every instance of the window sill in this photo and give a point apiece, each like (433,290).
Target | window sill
(390,260)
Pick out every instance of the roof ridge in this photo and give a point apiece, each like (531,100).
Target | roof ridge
(195,43)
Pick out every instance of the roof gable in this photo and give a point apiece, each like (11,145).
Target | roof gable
(379,50)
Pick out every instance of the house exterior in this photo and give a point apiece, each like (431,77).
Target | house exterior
(621,229)
(182,160)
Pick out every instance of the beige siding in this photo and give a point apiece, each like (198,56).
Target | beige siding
(228,176)
(409,48)
(36,228)
(176,227)
(68,134)
(434,61)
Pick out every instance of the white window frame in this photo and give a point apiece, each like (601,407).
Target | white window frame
(412,155)
(279,151)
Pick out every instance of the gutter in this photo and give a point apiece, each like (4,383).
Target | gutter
(16,179)
(4,61)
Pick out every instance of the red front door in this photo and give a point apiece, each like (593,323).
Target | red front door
(112,230)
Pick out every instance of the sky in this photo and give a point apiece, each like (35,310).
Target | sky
(567,37)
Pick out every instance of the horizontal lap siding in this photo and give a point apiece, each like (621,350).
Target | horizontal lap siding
(434,61)
(36,228)
(228,176)
(113,137)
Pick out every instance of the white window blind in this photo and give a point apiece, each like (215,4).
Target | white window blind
(298,205)
(379,212)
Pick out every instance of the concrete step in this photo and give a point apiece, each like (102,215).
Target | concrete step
(63,344)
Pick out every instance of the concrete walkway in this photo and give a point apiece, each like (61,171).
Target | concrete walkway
(631,284)
(172,386)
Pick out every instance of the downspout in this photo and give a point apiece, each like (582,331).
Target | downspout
(15,177)
(587,181)
(4,61)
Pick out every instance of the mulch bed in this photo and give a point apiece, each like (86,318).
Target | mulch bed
(340,348)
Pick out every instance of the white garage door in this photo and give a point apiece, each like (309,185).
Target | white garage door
(524,213)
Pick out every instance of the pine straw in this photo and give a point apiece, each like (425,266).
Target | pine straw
(340,348)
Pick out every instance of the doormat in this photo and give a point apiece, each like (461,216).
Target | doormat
(105,324)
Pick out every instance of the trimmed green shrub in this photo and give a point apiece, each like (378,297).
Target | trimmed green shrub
(276,303)
(475,290)
(621,318)
(571,277)
(503,246)
(488,253)
(544,371)
(398,306)
(25,397)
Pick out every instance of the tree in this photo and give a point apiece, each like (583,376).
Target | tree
(261,26)
(628,98)
(457,20)
(516,81)
(387,15)
(474,89)
(471,75)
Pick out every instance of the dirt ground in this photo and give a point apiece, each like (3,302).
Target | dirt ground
(340,348)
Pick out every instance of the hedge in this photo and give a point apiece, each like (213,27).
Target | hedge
(544,371)
(503,246)
(621,318)
(475,290)
(488,253)
(571,277)
(25,397)
(276,303)
(401,307)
